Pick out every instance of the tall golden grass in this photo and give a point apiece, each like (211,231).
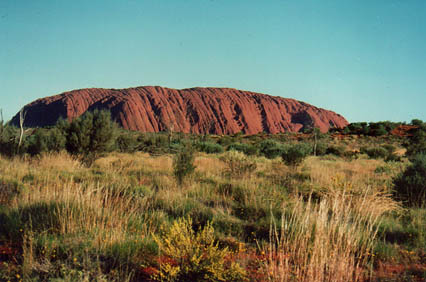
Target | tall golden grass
(318,240)
(327,240)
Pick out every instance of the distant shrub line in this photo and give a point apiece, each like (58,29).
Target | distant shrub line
(94,133)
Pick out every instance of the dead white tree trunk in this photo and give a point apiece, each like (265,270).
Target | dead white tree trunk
(1,122)
(21,125)
(170,133)
(315,141)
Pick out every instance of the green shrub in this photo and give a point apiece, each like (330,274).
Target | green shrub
(350,155)
(157,143)
(247,149)
(410,186)
(357,128)
(225,140)
(371,129)
(335,150)
(375,152)
(390,148)
(417,141)
(183,163)
(295,154)
(417,122)
(176,147)
(194,256)
(238,164)
(392,158)
(321,149)
(45,140)
(406,229)
(156,139)
(126,142)
(271,148)
(377,129)
(383,169)
(8,140)
(209,147)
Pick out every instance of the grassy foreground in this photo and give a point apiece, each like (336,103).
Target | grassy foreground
(126,219)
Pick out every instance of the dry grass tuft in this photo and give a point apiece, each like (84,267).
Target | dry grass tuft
(329,240)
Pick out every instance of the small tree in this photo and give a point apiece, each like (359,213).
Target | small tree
(183,163)
(90,135)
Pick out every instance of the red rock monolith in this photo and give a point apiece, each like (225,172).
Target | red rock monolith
(193,110)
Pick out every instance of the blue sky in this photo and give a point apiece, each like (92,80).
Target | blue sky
(361,58)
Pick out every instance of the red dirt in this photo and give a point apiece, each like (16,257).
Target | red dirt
(194,110)
(403,130)
(394,272)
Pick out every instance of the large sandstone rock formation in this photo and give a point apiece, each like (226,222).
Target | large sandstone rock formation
(195,110)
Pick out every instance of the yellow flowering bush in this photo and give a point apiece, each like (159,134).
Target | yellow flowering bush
(186,255)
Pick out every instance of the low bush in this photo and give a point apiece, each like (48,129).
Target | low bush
(377,129)
(8,140)
(390,148)
(209,147)
(42,140)
(126,143)
(271,148)
(392,158)
(237,164)
(410,186)
(417,141)
(183,163)
(335,150)
(383,170)
(375,152)
(321,149)
(194,256)
(225,140)
(295,154)
(247,149)
(155,143)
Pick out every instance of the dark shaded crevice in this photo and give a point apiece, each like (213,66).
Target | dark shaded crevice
(261,107)
(304,119)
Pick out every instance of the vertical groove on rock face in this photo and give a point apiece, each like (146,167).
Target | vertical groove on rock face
(263,116)
(195,110)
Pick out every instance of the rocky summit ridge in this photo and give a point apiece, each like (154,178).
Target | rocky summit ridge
(193,110)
